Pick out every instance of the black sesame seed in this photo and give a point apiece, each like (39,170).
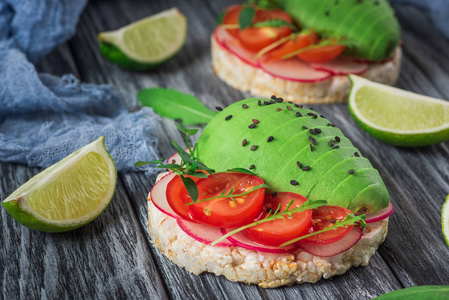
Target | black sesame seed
(351,172)
(315,116)
(298,114)
(297,105)
(317,130)
(228,117)
(311,108)
(279,109)
(330,124)
(312,131)
(273,97)
(289,107)
(267,102)
(312,140)
(337,138)
(270,138)
(252,126)
(294,182)
(306,168)
(244,142)
(255,121)
(254,147)
(274,194)
(218,108)
(333,221)
(322,116)
(336,147)
(305,127)
(245,106)
(311,147)
(259,103)
(252,167)
(356,154)
(269,210)
(300,106)
(279,100)
(290,102)
(310,114)
(298,164)
(331,143)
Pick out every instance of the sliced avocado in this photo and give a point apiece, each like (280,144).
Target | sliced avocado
(364,201)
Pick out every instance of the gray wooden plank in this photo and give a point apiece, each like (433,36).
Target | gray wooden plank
(106,259)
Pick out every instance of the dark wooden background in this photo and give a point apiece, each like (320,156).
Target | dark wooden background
(113,258)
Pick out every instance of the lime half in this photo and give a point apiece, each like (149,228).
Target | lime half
(68,194)
(445,220)
(396,116)
(147,43)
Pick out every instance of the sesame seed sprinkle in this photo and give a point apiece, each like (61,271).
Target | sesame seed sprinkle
(252,126)
(267,102)
(218,108)
(290,102)
(336,147)
(305,127)
(297,105)
(254,147)
(312,140)
(351,172)
(311,147)
(331,143)
(330,124)
(252,167)
(310,114)
(270,138)
(294,182)
(273,97)
(300,106)
(312,131)
(356,154)
(337,138)
(245,106)
(279,100)
(272,101)
(317,130)
(255,121)
(289,107)
(259,103)
(244,142)
(279,109)
(298,164)
(298,114)
(228,117)
(306,168)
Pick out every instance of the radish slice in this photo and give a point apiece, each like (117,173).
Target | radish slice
(342,66)
(335,248)
(232,44)
(380,215)
(203,233)
(293,69)
(174,159)
(159,198)
(239,239)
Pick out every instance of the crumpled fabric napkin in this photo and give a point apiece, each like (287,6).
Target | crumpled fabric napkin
(44,118)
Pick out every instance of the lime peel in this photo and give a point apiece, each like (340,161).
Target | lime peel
(75,205)
(445,220)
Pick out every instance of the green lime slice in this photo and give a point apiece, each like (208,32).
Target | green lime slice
(445,220)
(146,44)
(396,116)
(68,194)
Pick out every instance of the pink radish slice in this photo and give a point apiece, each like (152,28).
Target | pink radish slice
(232,44)
(159,198)
(293,69)
(174,159)
(342,66)
(380,215)
(239,239)
(203,233)
(335,248)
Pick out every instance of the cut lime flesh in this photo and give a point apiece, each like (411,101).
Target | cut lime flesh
(396,116)
(69,194)
(445,220)
(147,43)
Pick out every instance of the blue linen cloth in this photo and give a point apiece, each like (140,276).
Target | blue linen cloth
(44,118)
(439,10)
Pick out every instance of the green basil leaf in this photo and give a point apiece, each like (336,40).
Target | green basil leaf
(242,170)
(434,292)
(173,104)
(246,17)
(191,187)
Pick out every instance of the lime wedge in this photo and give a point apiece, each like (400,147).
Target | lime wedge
(147,43)
(68,194)
(445,220)
(396,116)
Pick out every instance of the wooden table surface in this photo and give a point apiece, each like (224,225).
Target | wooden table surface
(113,256)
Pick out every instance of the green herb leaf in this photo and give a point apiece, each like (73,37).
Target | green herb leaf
(186,157)
(268,4)
(199,175)
(309,204)
(191,187)
(231,194)
(173,104)
(274,23)
(144,163)
(246,17)
(349,220)
(241,170)
(186,130)
(220,18)
(434,292)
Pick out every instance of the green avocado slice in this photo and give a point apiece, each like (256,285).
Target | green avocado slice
(275,160)
(361,202)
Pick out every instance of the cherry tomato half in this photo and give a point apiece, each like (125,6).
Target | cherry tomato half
(177,197)
(280,231)
(321,54)
(232,18)
(301,41)
(220,212)
(323,217)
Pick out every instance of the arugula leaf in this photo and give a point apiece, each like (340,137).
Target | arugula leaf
(144,163)
(435,292)
(173,104)
(246,17)
(191,187)
(242,170)
(186,130)
(274,23)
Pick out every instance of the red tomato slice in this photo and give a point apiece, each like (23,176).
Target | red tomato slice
(323,217)
(177,197)
(299,42)
(321,54)
(221,212)
(255,39)
(232,17)
(280,231)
